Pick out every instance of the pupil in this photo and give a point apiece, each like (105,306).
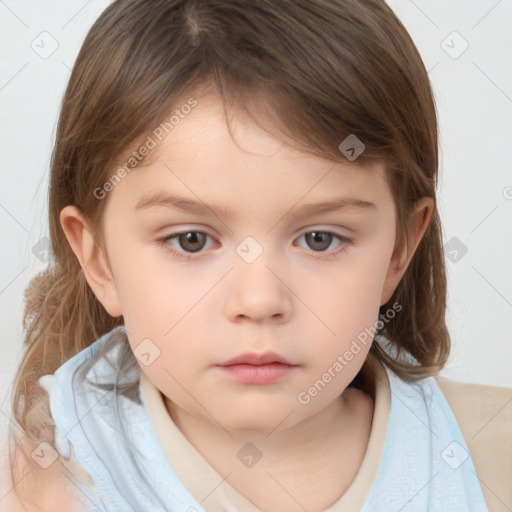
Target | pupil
(319,237)
(192,238)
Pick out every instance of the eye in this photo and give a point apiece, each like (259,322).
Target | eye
(189,241)
(319,241)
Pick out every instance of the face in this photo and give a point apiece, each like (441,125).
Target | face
(256,272)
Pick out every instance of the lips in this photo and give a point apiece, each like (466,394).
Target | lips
(252,368)
(257,359)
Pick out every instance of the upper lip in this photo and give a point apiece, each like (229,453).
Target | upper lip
(257,359)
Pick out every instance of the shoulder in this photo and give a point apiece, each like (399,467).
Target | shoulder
(480,409)
(31,487)
(484,415)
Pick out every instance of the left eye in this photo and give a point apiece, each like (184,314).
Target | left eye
(319,241)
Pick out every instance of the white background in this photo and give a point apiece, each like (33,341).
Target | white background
(474,100)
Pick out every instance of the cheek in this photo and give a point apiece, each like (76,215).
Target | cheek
(174,362)
(145,273)
(144,291)
(342,313)
(348,296)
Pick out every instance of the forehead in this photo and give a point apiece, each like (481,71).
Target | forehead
(203,156)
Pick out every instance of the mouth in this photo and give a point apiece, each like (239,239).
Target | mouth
(254,368)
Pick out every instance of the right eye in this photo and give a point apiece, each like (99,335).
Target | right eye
(190,241)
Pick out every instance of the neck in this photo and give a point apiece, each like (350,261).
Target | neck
(311,464)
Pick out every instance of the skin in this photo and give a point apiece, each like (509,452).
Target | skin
(297,298)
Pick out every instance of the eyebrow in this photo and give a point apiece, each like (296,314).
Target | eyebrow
(199,208)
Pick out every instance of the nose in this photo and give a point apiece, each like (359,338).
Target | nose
(258,291)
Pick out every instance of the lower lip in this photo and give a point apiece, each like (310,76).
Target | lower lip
(262,374)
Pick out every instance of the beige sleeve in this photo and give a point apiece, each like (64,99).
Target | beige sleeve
(78,471)
(484,414)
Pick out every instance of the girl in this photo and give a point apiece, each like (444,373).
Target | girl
(246,307)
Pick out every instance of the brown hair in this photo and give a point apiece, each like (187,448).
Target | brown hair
(315,71)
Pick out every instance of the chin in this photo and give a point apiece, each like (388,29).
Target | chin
(255,421)
(251,428)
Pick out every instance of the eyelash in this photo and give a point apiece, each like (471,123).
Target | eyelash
(165,243)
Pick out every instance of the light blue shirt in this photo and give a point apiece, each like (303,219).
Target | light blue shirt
(425,463)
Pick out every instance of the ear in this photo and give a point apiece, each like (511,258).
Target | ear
(92,260)
(401,257)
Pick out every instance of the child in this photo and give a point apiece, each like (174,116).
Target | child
(287,362)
